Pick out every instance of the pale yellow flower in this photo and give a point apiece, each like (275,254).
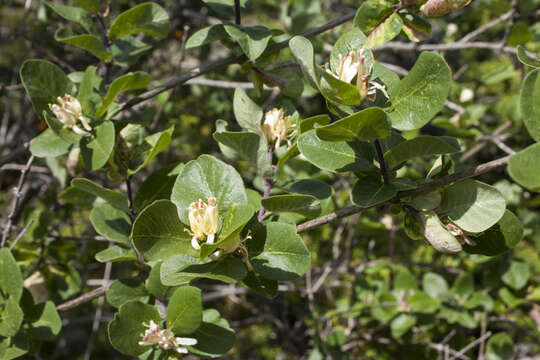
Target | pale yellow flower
(70,114)
(203,221)
(165,339)
(276,126)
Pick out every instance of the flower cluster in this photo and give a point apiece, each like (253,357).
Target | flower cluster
(69,113)
(165,339)
(276,126)
(352,65)
(203,221)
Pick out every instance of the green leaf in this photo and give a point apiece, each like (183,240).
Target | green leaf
(423,303)
(115,198)
(424,145)
(46,323)
(206,177)
(463,286)
(337,91)
(415,26)
(206,35)
(214,336)
(249,146)
(11,317)
(434,285)
(154,285)
(129,81)
(158,233)
(182,269)
(427,201)
(351,40)
(302,50)
(261,285)
(157,186)
(526,59)
(401,324)
(305,205)
(96,149)
(309,123)
(500,347)
(112,223)
(313,187)
(437,235)
(148,18)
(86,94)
(473,205)
(370,191)
(127,329)
(44,82)
(115,253)
(48,144)
(283,255)
(157,143)
(530,104)
(499,238)
(11,282)
(125,290)
(252,40)
(247,113)
(515,274)
(421,94)
(91,43)
(336,156)
(89,5)
(386,30)
(524,167)
(371,14)
(365,125)
(128,50)
(184,312)
(74,14)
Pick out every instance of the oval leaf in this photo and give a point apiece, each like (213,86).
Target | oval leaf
(365,125)
(147,18)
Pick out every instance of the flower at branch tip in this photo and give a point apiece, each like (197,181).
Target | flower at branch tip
(352,65)
(276,126)
(203,221)
(70,114)
(165,339)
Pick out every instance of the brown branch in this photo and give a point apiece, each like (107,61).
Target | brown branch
(431,185)
(15,202)
(209,66)
(84,298)
(404,46)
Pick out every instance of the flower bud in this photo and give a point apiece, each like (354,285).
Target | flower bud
(442,7)
(276,126)
(203,221)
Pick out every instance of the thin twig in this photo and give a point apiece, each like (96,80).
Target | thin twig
(15,202)
(475,33)
(84,298)
(471,345)
(404,46)
(237,13)
(21,234)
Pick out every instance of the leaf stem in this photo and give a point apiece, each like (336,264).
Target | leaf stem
(382,163)
(268,182)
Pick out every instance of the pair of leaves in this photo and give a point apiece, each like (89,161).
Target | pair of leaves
(253,40)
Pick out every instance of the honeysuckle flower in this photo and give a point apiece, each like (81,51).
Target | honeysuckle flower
(165,339)
(276,126)
(352,65)
(203,221)
(70,114)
